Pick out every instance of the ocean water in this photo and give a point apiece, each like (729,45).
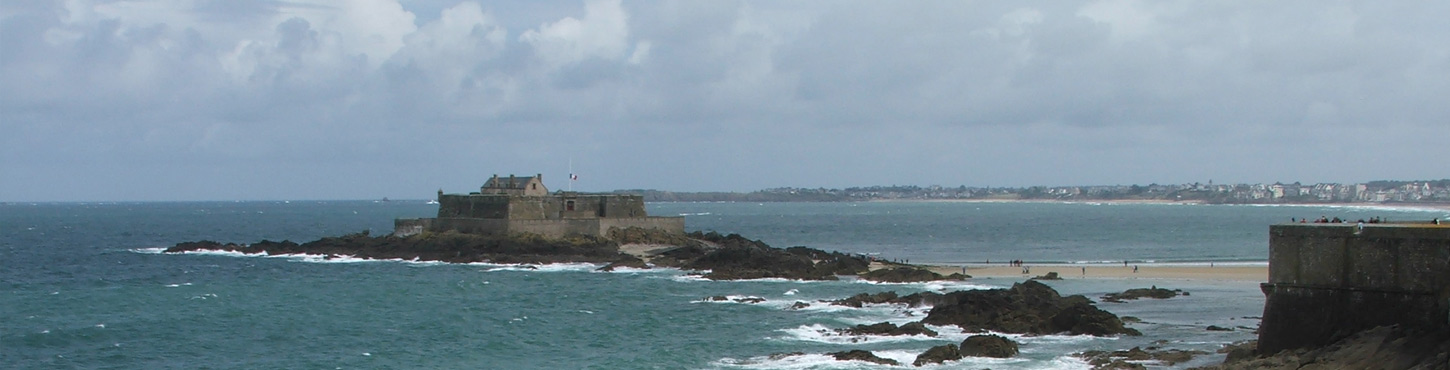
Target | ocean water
(82,286)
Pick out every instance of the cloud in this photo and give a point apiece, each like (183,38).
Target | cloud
(169,98)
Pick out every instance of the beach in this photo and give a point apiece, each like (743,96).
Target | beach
(1235,272)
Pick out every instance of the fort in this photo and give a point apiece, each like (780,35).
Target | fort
(1329,281)
(515,204)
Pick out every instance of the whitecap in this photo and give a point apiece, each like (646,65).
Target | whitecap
(742,299)
(803,361)
(792,292)
(553,267)
(939,285)
(156,250)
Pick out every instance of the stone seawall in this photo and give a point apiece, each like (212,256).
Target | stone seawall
(1328,281)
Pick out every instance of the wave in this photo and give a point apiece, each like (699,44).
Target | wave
(939,285)
(781,361)
(735,299)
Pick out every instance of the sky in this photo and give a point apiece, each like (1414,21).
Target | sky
(157,100)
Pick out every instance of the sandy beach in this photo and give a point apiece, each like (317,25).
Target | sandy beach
(1103,271)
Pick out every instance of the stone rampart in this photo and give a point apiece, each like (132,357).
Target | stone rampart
(1328,281)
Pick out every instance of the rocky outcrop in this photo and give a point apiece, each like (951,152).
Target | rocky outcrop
(1029,307)
(988,346)
(912,300)
(938,354)
(886,328)
(1136,293)
(627,261)
(727,257)
(741,258)
(1133,358)
(721,298)
(446,247)
(860,355)
(1384,347)
(907,275)
(1051,275)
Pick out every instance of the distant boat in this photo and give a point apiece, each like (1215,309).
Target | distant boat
(432,201)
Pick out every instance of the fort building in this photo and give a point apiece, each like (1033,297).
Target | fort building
(514,204)
(1330,280)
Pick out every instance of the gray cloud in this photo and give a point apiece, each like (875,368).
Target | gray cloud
(153,100)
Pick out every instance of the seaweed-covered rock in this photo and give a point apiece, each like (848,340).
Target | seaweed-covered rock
(1029,307)
(1136,293)
(1051,275)
(988,346)
(938,354)
(861,355)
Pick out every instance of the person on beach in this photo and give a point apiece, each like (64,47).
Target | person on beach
(1135,269)
(1084,271)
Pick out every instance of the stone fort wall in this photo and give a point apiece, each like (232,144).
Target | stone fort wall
(553,228)
(1328,281)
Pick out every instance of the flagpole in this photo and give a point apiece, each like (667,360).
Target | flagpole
(571,174)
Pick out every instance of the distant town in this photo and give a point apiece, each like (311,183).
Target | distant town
(1432,191)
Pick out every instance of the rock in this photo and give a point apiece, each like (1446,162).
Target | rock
(938,354)
(1051,275)
(886,328)
(1240,351)
(717,298)
(798,305)
(1121,359)
(1131,294)
(1384,347)
(741,258)
(1131,319)
(988,346)
(750,300)
(1218,328)
(1029,307)
(728,257)
(903,275)
(913,300)
(628,261)
(860,355)
(862,299)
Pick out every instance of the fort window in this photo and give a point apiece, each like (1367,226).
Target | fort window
(568,205)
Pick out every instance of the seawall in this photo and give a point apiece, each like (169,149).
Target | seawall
(1328,281)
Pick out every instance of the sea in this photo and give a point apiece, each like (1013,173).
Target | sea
(85,286)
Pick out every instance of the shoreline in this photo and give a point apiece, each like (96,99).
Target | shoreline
(1225,272)
(1395,206)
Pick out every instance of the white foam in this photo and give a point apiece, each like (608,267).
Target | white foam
(552,267)
(792,292)
(735,299)
(157,250)
(939,285)
(806,361)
